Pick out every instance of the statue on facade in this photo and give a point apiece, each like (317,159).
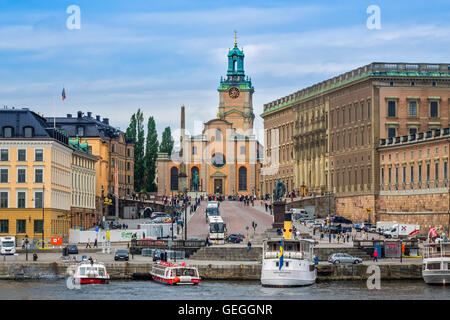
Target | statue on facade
(195,183)
(279,190)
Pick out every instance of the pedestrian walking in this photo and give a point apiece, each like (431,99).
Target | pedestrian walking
(249,245)
(23,243)
(348,238)
(95,243)
(375,255)
(265,203)
(329,237)
(88,244)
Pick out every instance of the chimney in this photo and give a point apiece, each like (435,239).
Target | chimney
(80,114)
(69,115)
(89,114)
(106,121)
(97,117)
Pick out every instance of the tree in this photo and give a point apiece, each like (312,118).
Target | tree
(139,162)
(166,141)
(135,132)
(151,151)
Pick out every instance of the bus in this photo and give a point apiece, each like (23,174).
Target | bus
(212,210)
(217,230)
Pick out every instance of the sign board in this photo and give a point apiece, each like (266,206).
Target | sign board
(108,235)
(56,241)
(392,249)
(368,211)
(97,229)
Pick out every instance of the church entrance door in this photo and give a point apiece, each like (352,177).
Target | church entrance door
(218,186)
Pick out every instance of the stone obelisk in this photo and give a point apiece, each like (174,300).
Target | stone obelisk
(182,177)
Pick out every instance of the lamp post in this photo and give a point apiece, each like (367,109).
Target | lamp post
(43,215)
(185,214)
(26,247)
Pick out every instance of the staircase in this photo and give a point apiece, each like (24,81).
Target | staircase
(228,253)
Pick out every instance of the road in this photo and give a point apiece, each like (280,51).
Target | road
(235,214)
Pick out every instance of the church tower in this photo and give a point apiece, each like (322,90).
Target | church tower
(236,92)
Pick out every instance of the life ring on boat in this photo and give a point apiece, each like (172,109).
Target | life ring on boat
(176,279)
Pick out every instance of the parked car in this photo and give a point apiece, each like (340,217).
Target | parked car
(372,229)
(72,249)
(367,226)
(121,255)
(343,258)
(339,219)
(232,238)
(334,228)
(240,235)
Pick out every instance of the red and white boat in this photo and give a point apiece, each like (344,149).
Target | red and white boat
(90,272)
(172,274)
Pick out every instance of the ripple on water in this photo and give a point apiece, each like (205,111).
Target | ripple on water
(214,290)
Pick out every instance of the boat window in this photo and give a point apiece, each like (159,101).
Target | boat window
(287,264)
(311,267)
(82,271)
(277,263)
(101,271)
(434,266)
(424,266)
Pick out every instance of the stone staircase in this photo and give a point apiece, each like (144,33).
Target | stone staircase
(228,253)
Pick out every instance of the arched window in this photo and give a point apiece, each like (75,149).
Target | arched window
(242,178)
(234,65)
(174,178)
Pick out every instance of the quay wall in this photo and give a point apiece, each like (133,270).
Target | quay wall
(245,271)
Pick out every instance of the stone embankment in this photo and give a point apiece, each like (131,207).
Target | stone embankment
(209,271)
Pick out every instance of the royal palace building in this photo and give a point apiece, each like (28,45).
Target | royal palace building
(340,123)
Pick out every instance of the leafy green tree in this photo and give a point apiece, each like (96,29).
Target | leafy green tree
(139,161)
(151,151)
(166,141)
(131,130)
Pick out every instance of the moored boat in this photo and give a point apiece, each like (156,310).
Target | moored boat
(172,274)
(87,272)
(286,261)
(436,263)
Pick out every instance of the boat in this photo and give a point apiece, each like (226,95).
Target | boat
(288,261)
(172,274)
(89,271)
(436,263)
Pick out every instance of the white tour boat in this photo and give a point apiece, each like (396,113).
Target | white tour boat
(288,262)
(436,263)
(172,274)
(87,272)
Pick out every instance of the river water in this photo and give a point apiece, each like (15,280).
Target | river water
(216,290)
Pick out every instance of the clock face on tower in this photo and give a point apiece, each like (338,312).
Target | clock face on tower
(233,92)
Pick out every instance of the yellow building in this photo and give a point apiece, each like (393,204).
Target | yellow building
(111,148)
(35,177)
(225,158)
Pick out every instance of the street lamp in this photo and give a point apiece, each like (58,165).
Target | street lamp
(26,246)
(185,214)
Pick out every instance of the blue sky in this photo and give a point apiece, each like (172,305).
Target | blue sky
(159,55)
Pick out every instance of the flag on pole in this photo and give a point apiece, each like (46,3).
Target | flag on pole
(63,94)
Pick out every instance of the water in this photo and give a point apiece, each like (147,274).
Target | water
(214,290)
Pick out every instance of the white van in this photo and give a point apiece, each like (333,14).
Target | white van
(8,245)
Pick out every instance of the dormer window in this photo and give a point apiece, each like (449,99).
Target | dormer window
(28,132)
(7,132)
(80,131)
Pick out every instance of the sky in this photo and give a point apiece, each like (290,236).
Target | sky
(159,55)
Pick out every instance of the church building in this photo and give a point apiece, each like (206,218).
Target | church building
(225,158)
